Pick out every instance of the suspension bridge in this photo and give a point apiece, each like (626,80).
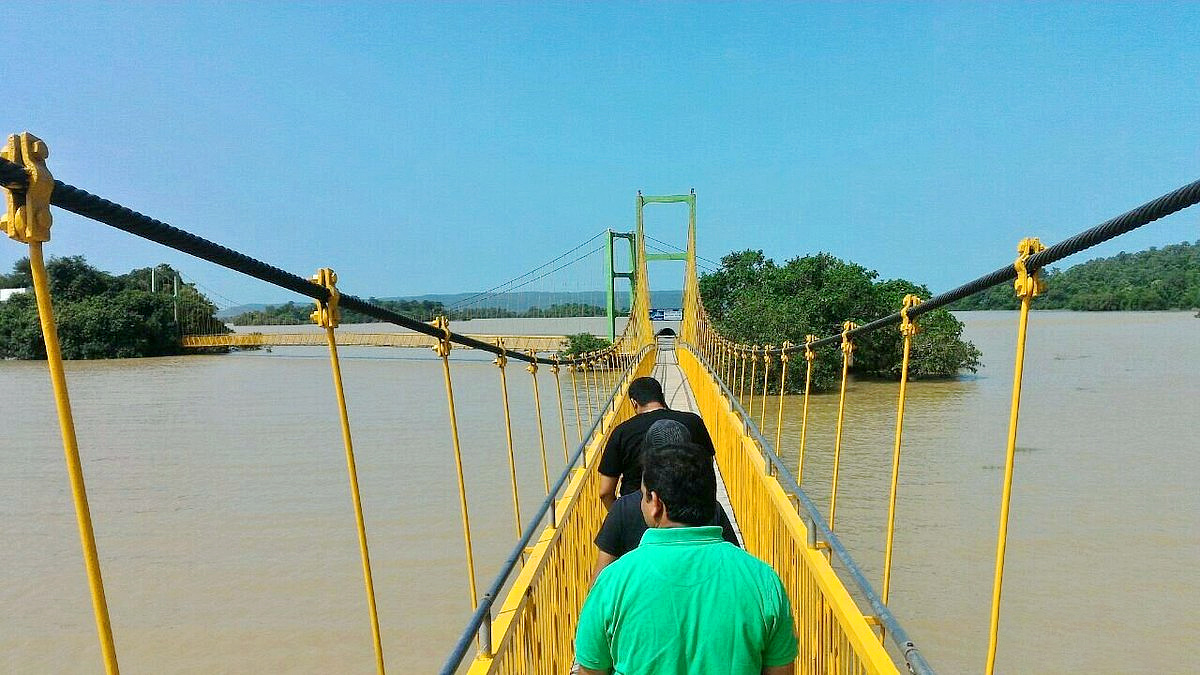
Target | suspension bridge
(523,619)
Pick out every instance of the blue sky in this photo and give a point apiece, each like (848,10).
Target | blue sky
(426,148)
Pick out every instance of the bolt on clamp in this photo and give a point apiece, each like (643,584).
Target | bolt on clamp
(28,218)
(443,346)
(1028,285)
(907,327)
(809,353)
(327,314)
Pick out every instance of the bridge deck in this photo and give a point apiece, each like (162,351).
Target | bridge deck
(679,397)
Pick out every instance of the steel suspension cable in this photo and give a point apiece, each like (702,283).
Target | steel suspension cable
(96,208)
(467,300)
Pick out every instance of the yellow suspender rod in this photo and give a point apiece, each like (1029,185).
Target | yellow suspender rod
(1027,287)
(762,414)
(537,405)
(442,348)
(847,356)
(809,356)
(907,329)
(502,361)
(753,377)
(28,221)
(575,393)
(562,418)
(327,316)
(783,358)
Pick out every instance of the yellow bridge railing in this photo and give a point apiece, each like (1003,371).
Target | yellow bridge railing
(834,634)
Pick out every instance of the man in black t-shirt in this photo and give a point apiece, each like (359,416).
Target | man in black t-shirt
(624,525)
(622,457)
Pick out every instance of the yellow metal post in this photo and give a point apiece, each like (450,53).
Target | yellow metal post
(587,389)
(783,358)
(847,357)
(753,378)
(907,329)
(501,361)
(575,392)
(742,376)
(562,417)
(537,405)
(28,220)
(442,348)
(762,415)
(809,356)
(327,316)
(1027,285)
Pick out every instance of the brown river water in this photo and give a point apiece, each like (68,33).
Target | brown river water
(222,514)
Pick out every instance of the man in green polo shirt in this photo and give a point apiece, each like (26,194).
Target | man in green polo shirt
(685,601)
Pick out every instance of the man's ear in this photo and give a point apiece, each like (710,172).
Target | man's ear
(658,510)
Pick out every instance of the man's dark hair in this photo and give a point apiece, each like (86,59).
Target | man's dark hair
(682,475)
(646,390)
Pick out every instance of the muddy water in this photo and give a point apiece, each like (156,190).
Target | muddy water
(218,488)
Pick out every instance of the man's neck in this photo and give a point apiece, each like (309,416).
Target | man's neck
(650,407)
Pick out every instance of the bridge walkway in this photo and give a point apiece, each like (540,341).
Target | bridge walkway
(679,397)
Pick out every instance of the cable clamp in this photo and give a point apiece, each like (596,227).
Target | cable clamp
(533,366)
(847,345)
(1028,285)
(501,359)
(907,327)
(28,216)
(809,353)
(555,368)
(327,314)
(443,346)
(767,354)
(783,352)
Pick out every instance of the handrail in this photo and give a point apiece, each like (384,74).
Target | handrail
(816,525)
(483,611)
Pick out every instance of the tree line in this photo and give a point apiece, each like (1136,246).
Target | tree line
(99,315)
(753,300)
(1154,279)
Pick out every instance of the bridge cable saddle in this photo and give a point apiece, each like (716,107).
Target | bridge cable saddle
(28,216)
(327,314)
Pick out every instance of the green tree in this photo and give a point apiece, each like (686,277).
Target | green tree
(1154,279)
(21,276)
(582,343)
(100,315)
(753,300)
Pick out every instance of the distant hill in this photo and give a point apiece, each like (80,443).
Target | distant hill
(1154,279)
(520,301)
